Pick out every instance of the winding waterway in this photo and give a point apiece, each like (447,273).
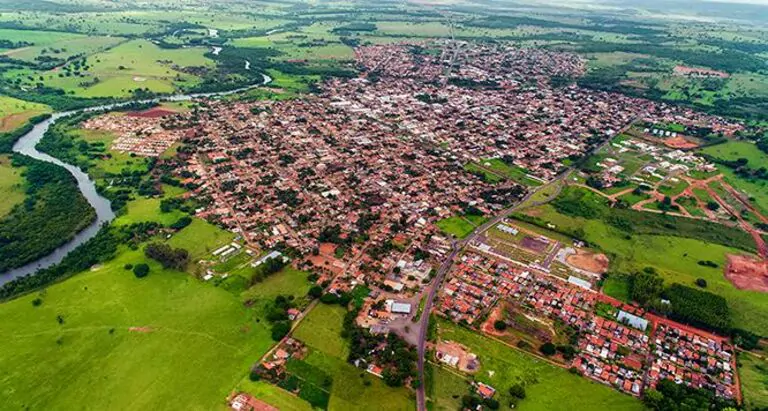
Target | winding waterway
(104,214)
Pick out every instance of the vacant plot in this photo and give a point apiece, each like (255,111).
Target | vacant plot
(548,387)
(461,226)
(14,113)
(321,330)
(81,334)
(147,209)
(11,186)
(446,388)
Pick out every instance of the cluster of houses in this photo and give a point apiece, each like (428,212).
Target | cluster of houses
(694,358)
(141,135)
(618,344)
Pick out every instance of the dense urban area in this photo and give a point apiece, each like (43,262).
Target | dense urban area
(438,204)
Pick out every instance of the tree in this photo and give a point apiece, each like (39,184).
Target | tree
(646,286)
(701,282)
(548,349)
(712,205)
(280,329)
(315,292)
(517,391)
(140,270)
(500,325)
(176,258)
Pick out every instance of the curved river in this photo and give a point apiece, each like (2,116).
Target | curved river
(26,145)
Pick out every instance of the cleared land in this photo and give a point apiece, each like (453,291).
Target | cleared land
(461,226)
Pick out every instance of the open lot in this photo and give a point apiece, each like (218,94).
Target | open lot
(460,226)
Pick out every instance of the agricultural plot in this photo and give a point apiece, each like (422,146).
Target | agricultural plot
(11,186)
(547,386)
(14,113)
(117,335)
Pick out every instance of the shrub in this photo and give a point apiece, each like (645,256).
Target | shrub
(701,282)
(128,267)
(500,325)
(140,270)
(548,349)
(517,391)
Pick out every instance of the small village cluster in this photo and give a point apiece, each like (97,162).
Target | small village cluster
(618,344)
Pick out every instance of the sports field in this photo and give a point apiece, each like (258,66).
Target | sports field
(547,387)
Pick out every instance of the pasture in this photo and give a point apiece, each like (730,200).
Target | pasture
(547,387)
(136,64)
(14,113)
(321,330)
(109,340)
(753,372)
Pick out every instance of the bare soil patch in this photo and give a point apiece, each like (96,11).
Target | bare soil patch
(587,261)
(467,361)
(151,113)
(747,273)
(140,329)
(679,142)
(535,244)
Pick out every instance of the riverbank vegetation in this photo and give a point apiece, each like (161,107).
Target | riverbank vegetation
(52,213)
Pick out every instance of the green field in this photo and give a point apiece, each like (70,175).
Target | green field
(193,335)
(189,239)
(495,170)
(548,387)
(734,150)
(321,330)
(753,372)
(136,64)
(11,186)
(461,226)
(14,112)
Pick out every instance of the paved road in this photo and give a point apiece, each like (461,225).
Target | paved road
(457,245)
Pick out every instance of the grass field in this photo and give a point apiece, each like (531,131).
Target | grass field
(273,395)
(495,170)
(189,239)
(460,226)
(734,150)
(753,373)
(321,330)
(136,64)
(548,387)
(14,113)
(195,336)
(11,186)
(446,388)
(675,258)
(147,209)
(352,388)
